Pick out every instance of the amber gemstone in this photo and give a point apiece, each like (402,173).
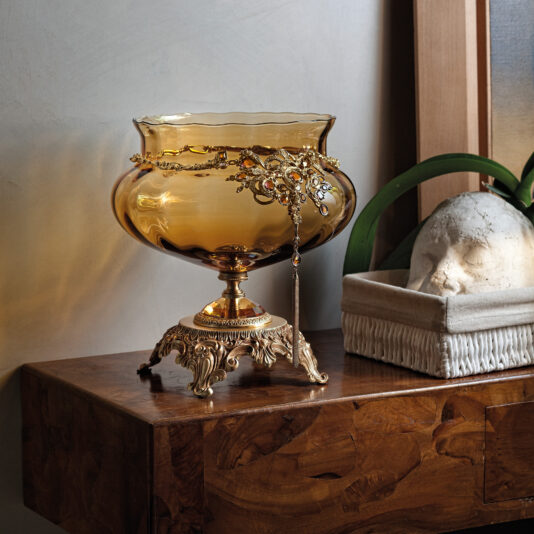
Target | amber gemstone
(296,259)
(296,176)
(284,199)
(323,209)
(248,163)
(220,309)
(269,185)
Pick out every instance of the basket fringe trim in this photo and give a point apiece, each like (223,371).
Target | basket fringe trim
(439,353)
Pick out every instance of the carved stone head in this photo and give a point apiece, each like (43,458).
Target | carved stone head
(473,243)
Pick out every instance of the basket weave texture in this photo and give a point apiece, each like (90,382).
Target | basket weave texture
(446,337)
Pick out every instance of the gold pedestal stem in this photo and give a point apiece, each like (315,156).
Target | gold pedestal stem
(233,292)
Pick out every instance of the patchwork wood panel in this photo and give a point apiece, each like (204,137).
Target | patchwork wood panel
(378,449)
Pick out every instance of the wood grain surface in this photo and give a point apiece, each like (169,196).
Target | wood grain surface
(509,452)
(163,398)
(178,493)
(405,464)
(378,449)
(86,467)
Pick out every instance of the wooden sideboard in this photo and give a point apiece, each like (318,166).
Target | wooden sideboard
(377,449)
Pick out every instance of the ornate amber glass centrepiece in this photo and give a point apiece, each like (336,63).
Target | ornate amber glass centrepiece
(233,192)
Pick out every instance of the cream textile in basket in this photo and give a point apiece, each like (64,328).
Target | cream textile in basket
(446,337)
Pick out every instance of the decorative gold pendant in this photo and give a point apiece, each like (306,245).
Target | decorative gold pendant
(211,353)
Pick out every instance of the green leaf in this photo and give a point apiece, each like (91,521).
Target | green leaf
(529,166)
(523,193)
(401,256)
(500,186)
(360,246)
(497,191)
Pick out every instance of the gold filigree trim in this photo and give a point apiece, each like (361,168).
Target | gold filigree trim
(216,322)
(220,161)
(211,354)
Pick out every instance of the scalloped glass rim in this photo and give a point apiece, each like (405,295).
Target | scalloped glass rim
(239,117)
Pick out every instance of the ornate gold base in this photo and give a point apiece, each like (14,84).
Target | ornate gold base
(210,353)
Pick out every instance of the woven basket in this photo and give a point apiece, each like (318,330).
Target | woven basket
(441,336)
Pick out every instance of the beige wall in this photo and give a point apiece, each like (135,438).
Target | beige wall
(72,75)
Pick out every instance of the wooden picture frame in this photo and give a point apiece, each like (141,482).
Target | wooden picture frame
(452,90)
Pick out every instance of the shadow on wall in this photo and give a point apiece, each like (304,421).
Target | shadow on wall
(396,152)
(397,135)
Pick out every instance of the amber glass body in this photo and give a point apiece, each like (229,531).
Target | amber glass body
(199,216)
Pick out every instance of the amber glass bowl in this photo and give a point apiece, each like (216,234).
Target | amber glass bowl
(199,216)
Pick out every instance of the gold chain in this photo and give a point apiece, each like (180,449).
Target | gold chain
(220,161)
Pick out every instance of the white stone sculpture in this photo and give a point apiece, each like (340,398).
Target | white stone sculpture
(473,243)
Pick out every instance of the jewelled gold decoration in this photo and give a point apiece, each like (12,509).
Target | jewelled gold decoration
(212,353)
(287,178)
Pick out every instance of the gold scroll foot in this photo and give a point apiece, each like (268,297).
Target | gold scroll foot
(210,354)
(306,357)
(163,347)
